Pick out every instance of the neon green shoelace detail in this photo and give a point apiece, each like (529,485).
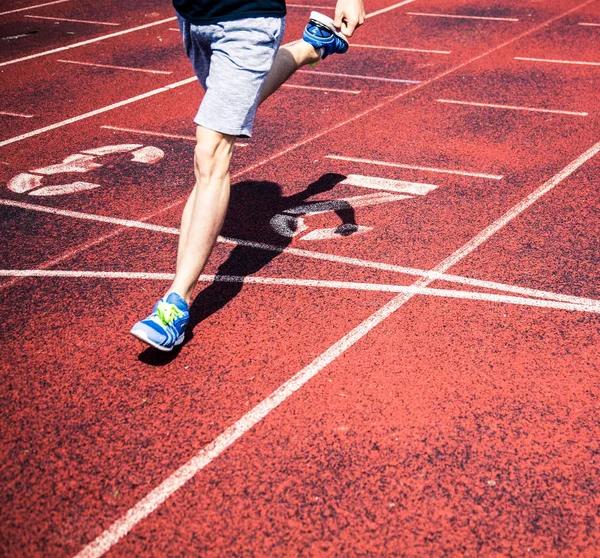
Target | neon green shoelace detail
(168,312)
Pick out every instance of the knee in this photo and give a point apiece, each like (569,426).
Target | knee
(212,156)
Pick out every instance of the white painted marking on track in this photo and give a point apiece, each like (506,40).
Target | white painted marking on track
(414,188)
(511,107)
(160,134)
(389,8)
(73,163)
(586,24)
(593,307)
(74,20)
(91,217)
(87,42)
(458,16)
(551,61)
(356,76)
(16,114)
(33,7)
(415,167)
(321,256)
(289,222)
(112,67)
(204,457)
(150,133)
(326,89)
(336,233)
(403,49)
(98,111)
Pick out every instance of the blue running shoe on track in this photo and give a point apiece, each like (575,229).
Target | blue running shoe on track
(322,34)
(165,327)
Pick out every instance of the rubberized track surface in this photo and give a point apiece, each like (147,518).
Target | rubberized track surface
(427,385)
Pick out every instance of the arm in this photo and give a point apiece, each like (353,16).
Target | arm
(349,14)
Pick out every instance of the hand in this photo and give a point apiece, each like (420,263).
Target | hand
(349,14)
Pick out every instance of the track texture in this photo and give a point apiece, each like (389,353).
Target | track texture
(318,407)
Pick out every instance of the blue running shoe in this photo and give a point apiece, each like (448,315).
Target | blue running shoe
(165,327)
(322,34)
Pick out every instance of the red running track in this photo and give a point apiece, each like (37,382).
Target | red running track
(320,408)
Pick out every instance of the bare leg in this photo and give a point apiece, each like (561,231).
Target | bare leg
(289,58)
(205,209)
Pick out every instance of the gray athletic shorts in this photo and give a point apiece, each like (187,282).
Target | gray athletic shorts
(231,60)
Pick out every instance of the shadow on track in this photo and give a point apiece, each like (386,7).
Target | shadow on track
(251,209)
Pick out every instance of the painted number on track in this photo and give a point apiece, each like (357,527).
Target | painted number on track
(32,182)
(290,223)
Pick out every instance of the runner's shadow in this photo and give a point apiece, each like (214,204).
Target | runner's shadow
(252,207)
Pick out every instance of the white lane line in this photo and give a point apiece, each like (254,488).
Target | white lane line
(298,252)
(356,76)
(87,42)
(457,16)
(327,89)
(510,107)
(310,283)
(98,111)
(204,457)
(33,7)
(90,217)
(150,133)
(415,167)
(74,20)
(389,8)
(16,114)
(586,24)
(550,61)
(403,49)
(110,66)
(160,134)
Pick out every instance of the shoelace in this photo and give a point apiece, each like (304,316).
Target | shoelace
(168,312)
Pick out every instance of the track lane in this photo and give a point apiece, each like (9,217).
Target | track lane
(451,446)
(112,397)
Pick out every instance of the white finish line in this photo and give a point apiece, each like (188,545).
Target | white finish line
(110,66)
(511,107)
(310,283)
(204,457)
(550,61)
